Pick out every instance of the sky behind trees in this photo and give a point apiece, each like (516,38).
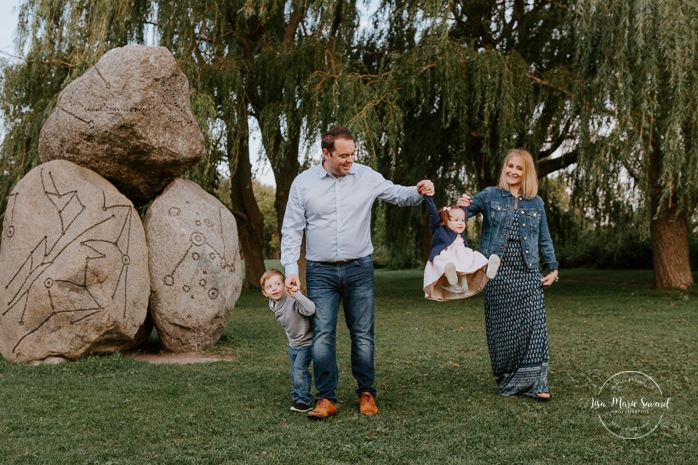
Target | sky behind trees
(8,28)
(8,25)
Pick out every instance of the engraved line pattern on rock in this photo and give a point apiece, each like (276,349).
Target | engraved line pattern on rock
(8,222)
(89,123)
(68,207)
(55,312)
(199,240)
(68,204)
(172,108)
(36,272)
(107,84)
(122,244)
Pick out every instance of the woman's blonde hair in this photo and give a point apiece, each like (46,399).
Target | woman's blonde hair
(529,183)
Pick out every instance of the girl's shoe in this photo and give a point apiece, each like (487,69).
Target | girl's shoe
(450,273)
(460,288)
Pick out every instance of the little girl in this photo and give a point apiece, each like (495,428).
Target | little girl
(454,271)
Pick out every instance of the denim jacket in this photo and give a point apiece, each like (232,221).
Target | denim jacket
(497,208)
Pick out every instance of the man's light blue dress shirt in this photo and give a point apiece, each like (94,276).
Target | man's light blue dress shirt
(335,214)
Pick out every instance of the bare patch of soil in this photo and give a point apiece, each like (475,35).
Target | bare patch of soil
(152,353)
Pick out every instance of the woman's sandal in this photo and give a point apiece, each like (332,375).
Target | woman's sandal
(543,396)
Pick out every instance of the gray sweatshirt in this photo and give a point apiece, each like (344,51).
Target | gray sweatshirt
(293,311)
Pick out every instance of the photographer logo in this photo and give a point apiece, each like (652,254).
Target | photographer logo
(630,405)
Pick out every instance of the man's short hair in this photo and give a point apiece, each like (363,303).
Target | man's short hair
(333,134)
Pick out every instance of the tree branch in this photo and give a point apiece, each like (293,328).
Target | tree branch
(559,140)
(337,20)
(292,27)
(52,62)
(547,84)
(550,165)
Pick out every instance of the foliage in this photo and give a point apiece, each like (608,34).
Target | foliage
(467,93)
(637,97)
(436,89)
(436,393)
(582,240)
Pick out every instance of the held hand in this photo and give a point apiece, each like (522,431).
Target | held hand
(464,201)
(292,284)
(425,187)
(550,278)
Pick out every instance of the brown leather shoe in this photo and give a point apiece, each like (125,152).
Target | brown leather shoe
(367,404)
(323,409)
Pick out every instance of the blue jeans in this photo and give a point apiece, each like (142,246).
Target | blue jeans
(351,283)
(300,376)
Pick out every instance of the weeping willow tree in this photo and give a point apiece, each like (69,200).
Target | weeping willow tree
(253,58)
(638,101)
(436,89)
(471,80)
(244,59)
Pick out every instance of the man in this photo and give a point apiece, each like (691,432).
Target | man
(331,202)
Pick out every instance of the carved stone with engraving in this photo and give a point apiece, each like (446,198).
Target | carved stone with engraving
(73,266)
(194,266)
(129,119)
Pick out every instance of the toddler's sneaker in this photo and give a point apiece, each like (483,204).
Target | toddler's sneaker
(463,284)
(300,407)
(450,273)
(492,266)
(460,288)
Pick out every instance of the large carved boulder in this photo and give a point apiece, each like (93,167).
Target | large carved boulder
(194,266)
(127,118)
(73,266)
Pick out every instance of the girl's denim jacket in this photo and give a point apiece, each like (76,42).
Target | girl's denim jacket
(497,208)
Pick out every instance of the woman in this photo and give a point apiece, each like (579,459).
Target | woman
(514,226)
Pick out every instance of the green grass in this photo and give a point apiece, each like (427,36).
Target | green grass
(437,397)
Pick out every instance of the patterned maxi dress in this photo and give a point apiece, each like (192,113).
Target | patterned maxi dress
(517,338)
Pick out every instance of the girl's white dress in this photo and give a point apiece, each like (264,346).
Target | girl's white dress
(469,263)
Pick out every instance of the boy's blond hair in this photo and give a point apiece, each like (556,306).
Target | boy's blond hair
(268,274)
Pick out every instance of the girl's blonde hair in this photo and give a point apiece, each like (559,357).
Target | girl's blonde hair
(529,183)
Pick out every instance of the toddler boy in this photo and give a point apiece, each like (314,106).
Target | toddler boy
(293,311)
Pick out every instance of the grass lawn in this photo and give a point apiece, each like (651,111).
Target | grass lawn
(437,396)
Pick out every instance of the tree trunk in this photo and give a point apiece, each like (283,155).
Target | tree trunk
(284,174)
(483,171)
(669,231)
(670,251)
(249,218)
